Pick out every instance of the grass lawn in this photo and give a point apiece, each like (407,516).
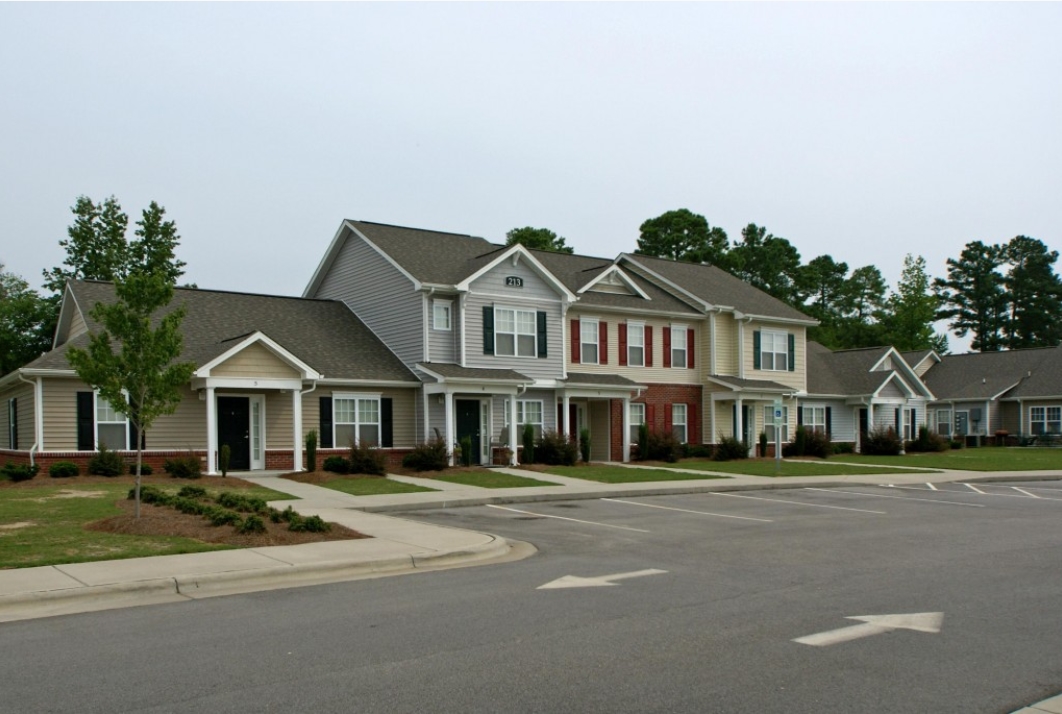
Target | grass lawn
(43,525)
(488,478)
(621,474)
(766,467)
(986,458)
(371,486)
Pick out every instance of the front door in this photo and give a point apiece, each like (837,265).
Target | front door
(468,424)
(234,429)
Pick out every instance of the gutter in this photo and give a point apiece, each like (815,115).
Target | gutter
(38,415)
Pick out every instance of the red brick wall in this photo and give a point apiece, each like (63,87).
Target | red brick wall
(661,397)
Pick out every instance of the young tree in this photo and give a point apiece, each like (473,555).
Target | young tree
(537,239)
(768,262)
(132,361)
(24,320)
(684,235)
(972,296)
(907,319)
(1035,294)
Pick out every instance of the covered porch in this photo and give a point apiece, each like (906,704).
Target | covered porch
(742,408)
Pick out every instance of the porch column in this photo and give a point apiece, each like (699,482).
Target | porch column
(512,432)
(427,425)
(903,423)
(296,407)
(626,429)
(565,416)
(212,431)
(711,420)
(739,426)
(450,426)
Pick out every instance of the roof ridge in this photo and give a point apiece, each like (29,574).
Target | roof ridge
(412,228)
(185,288)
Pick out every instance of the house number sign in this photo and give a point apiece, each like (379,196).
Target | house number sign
(513,281)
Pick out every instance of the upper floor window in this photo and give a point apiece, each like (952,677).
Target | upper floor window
(112,428)
(441,314)
(1045,420)
(637,418)
(356,419)
(588,341)
(678,422)
(515,332)
(636,344)
(774,350)
(678,346)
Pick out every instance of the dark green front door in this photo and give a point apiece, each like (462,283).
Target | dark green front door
(234,429)
(467,418)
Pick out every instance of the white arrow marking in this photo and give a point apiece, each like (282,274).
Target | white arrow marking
(876,625)
(574,581)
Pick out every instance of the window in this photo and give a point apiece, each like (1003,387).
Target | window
(356,419)
(944,422)
(774,350)
(588,341)
(1045,420)
(814,418)
(678,346)
(112,430)
(515,332)
(635,345)
(12,423)
(637,418)
(909,428)
(768,423)
(440,314)
(678,422)
(530,412)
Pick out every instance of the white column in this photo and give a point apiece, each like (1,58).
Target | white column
(565,415)
(427,426)
(512,431)
(739,426)
(903,422)
(713,431)
(212,431)
(296,406)
(451,429)
(626,429)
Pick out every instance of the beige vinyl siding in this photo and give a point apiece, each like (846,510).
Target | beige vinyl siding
(77,325)
(280,421)
(657,374)
(24,420)
(1010,418)
(923,367)
(726,345)
(403,406)
(256,360)
(184,429)
(60,413)
(797,378)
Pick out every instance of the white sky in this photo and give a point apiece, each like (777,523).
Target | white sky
(865,131)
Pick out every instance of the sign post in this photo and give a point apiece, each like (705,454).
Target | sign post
(778,435)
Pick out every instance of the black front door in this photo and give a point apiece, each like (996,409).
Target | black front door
(467,418)
(234,429)
(864,424)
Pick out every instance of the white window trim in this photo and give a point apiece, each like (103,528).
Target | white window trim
(812,424)
(516,333)
(1045,419)
(595,343)
(96,419)
(640,327)
(682,330)
(357,423)
(775,335)
(768,423)
(947,421)
(685,424)
(12,422)
(447,305)
(635,422)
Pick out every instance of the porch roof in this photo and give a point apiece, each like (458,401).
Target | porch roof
(586,379)
(749,385)
(444,372)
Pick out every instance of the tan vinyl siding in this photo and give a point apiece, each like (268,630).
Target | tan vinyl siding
(403,406)
(24,419)
(797,378)
(60,413)
(77,325)
(1011,418)
(657,374)
(280,421)
(184,429)
(255,361)
(726,345)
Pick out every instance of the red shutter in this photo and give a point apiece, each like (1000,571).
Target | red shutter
(692,435)
(576,358)
(648,345)
(667,346)
(602,342)
(623,344)
(690,341)
(650,416)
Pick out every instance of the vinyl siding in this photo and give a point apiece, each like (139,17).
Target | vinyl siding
(657,374)
(443,344)
(726,345)
(404,415)
(255,361)
(24,394)
(380,295)
(77,325)
(890,390)
(549,413)
(1010,418)
(796,379)
(184,429)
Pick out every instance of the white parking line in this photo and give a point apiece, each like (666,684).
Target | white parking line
(1030,495)
(986,493)
(931,487)
(562,518)
(797,503)
(901,498)
(685,510)
(974,488)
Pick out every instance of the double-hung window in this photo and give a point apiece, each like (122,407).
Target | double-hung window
(814,418)
(944,422)
(1045,420)
(678,423)
(678,346)
(515,332)
(529,411)
(356,419)
(774,350)
(112,428)
(769,428)
(588,341)
(635,345)
(441,315)
(637,417)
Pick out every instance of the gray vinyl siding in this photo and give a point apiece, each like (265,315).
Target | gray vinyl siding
(843,421)
(443,344)
(380,295)
(549,412)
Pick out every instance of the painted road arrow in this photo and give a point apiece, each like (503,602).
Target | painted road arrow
(876,625)
(574,581)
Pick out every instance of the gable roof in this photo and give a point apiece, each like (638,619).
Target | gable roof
(717,288)
(1009,374)
(855,372)
(432,257)
(322,334)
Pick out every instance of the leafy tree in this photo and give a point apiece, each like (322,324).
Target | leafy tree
(684,235)
(537,239)
(907,319)
(820,290)
(153,248)
(768,262)
(132,360)
(1035,294)
(24,320)
(96,248)
(862,301)
(972,296)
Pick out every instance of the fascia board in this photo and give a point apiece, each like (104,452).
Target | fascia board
(557,285)
(668,284)
(64,314)
(586,309)
(997,396)
(809,322)
(895,376)
(259,337)
(919,385)
(326,261)
(617,271)
(369,383)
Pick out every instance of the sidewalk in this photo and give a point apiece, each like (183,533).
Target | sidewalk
(396,544)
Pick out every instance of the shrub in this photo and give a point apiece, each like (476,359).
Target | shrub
(555,449)
(730,448)
(365,458)
(152,494)
(63,469)
(251,524)
(643,442)
(311,451)
(106,463)
(529,444)
(800,441)
(145,469)
(337,465)
(584,444)
(927,441)
(238,502)
(663,446)
(881,442)
(465,450)
(844,447)
(190,505)
(763,444)
(431,456)
(310,524)
(19,472)
(183,467)
(224,458)
(192,492)
(808,442)
(219,516)
(957,443)
(696,451)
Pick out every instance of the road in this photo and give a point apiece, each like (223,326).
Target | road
(713,590)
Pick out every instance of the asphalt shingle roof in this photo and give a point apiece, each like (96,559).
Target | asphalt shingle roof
(454,371)
(599,380)
(845,371)
(751,384)
(430,256)
(324,334)
(983,375)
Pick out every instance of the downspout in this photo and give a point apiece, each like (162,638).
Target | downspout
(38,415)
(297,451)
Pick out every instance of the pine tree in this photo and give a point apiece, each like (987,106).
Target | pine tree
(972,296)
(1035,294)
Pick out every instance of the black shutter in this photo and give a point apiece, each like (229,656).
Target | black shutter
(792,352)
(86,422)
(387,431)
(756,349)
(829,421)
(133,433)
(326,423)
(541,333)
(800,416)
(13,416)
(896,419)
(488,329)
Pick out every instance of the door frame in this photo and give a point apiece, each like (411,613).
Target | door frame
(483,442)
(255,427)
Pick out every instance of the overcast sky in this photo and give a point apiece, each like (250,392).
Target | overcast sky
(863,131)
